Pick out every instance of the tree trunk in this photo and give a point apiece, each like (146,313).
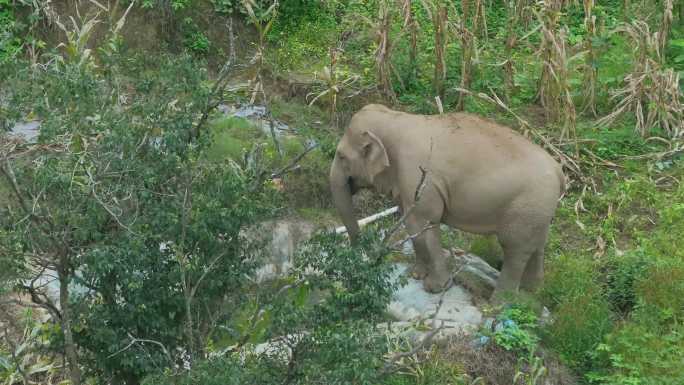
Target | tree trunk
(514,16)
(69,345)
(440,22)
(232,56)
(467,48)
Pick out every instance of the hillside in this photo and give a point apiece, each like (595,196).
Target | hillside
(166,216)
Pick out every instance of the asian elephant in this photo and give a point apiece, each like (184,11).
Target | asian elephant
(480,177)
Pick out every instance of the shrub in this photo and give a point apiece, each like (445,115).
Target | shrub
(231,137)
(357,279)
(620,272)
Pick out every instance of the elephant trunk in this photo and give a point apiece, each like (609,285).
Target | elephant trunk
(342,198)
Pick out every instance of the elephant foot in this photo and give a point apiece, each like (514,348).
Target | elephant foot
(418,271)
(436,282)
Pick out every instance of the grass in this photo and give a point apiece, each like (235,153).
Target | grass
(232,136)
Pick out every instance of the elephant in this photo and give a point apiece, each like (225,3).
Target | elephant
(473,175)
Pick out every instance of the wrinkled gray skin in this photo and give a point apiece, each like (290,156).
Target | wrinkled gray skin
(482,178)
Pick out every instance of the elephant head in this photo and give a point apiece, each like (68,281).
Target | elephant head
(360,159)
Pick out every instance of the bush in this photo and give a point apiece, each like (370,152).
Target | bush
(149,228)
(331,304)
(620,272)
(357,279)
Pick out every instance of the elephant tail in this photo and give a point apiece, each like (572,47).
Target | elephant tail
(561,179)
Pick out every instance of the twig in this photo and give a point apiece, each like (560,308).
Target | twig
(219,86)
(292,164)
(427,339)
(411,237)
(418,194)
(257,312)
(135,340)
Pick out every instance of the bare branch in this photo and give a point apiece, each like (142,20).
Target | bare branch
(135,340)
(293,164)
(411,237)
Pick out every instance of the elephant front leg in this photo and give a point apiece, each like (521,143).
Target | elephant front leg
(430,263)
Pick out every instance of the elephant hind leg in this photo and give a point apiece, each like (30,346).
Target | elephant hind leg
(533,277)
(523,247)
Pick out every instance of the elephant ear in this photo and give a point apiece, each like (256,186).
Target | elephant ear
(375,154)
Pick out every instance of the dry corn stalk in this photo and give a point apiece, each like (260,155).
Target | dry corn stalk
(480,19)
(440,19)
(650,92)
(549,21)
(382,53)
(263,24)
(515,13)
(590,66)
(467,47)
(333,84)
(665,26)
(555,95)
(411,25)
(437,12)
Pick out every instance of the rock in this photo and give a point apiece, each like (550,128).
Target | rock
(259,116)
(26,130)
(476,275)
(545,318)
(415,309)
(282,238)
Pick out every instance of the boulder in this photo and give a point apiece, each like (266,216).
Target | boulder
(476,275)
(282,238)
(417,313)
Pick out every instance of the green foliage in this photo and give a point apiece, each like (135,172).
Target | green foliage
(580,324)
(357,278)
(620,272)
(638,354)
(581,315)
(488,248)
(336,340)
(516,330)
(232,137)
(309,186)
(158,230)
(569,276)
(10,41)
(116,191)
(194,39)
(24,358)
(661,294)
(175,5)
(302,34)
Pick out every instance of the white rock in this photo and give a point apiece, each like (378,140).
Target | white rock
(411,304)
